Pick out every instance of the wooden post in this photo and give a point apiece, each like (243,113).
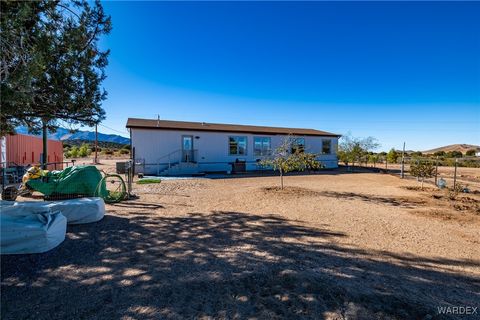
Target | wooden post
(455,174)
(436,170)
(96,144)
(403,162)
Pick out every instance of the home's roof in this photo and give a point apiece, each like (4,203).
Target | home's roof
(204,126)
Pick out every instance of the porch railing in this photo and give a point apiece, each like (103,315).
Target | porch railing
(177,156)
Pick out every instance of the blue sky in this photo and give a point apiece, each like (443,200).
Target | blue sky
(405,71)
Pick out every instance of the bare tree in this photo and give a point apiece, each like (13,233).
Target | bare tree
(351,149)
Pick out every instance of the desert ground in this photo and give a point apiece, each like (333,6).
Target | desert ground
(334,245)
(467,177)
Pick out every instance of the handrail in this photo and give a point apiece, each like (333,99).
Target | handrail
(170,156)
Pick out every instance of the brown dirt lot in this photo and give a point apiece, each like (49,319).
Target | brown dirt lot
(468,177)
(330,246)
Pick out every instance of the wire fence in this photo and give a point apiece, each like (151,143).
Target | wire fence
(69,183)
(454,172)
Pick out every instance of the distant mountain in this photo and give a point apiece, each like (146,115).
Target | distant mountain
(65,134)
(454,147)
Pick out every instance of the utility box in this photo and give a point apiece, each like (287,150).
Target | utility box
(239,166)
(121,167)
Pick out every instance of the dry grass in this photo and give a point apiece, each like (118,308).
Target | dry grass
(330,246)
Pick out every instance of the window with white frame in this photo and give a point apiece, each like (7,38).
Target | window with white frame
(262,146)
(237,145)
(326,146)
(298,145)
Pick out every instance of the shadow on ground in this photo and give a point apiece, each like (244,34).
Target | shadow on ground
(391,201)
(224,265)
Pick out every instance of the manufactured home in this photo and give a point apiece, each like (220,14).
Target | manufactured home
(163,147)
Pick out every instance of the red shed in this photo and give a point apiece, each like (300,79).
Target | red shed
(25,150)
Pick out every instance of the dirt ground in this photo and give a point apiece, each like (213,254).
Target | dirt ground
(467,177)
(330,246)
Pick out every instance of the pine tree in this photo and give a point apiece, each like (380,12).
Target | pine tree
(51,67)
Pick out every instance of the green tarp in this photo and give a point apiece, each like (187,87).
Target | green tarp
(75,180)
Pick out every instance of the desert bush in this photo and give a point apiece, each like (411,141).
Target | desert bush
(470,152)
(124,151)
(454,154)
(72,153)
(84,151)
(452,193)
(108,152)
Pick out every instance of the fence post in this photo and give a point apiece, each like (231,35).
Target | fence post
(403,161)
(436,171)
(455,174)
(402,173)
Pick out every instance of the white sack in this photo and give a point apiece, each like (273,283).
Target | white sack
(34,230)
(77,211)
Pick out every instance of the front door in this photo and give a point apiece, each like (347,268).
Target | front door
(187,148)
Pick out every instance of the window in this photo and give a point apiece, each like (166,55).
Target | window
(237,145)
(298,145)
(326,146)
(261,146)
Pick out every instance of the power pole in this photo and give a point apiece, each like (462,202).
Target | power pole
(96,144)
(403,161)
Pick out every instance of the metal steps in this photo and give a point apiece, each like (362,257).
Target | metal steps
(181,168)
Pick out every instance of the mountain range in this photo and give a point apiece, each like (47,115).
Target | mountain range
(65,134)
(463,148)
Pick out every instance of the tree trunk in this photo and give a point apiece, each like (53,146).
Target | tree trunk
(281,179)
(45,142)
(422,183)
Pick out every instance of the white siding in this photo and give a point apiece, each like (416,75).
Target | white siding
(212,148)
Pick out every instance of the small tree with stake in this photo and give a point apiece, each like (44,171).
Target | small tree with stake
(284,161)
(422,170)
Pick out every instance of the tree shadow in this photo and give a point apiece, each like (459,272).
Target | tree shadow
(137,205)
(391,201)
(225,265)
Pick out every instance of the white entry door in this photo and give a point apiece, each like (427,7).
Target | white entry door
(187,149)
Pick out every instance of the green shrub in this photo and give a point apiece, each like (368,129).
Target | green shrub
(84,151)
(470,153)
(73,153)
